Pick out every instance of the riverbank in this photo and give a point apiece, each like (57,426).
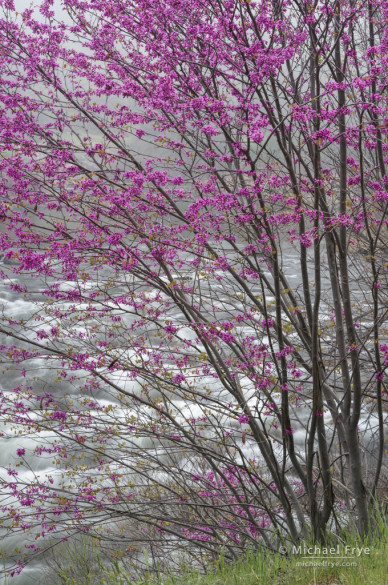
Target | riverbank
(346,562)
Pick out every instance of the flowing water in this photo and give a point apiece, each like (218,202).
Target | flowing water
(19,307)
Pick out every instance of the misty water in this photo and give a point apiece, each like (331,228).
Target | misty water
(16,305)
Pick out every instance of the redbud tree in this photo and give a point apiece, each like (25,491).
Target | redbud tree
(194,208)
